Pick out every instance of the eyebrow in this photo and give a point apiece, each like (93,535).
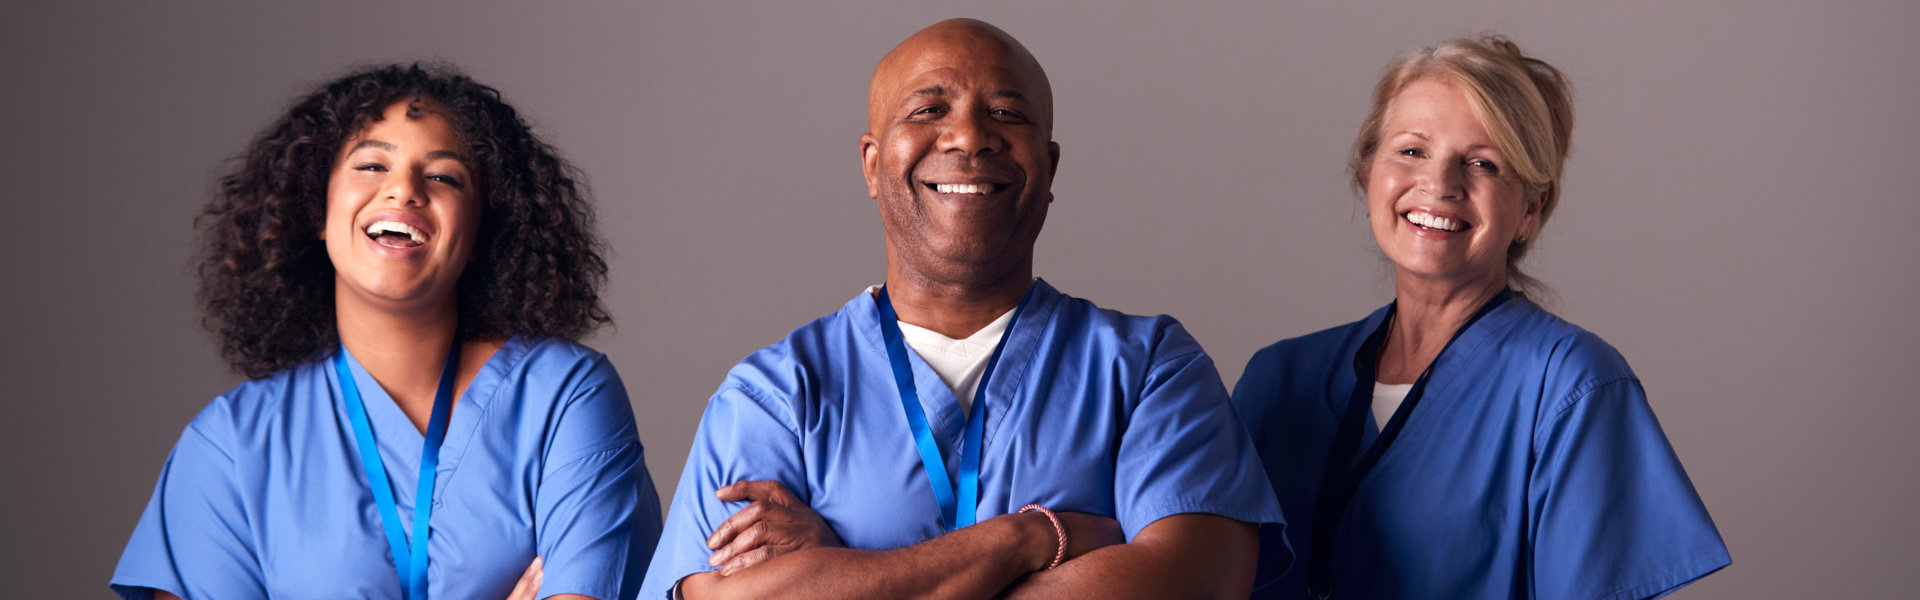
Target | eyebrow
(371,144)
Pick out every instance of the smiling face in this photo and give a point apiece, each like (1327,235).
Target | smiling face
(959,156)
(1442,200)
(402,211)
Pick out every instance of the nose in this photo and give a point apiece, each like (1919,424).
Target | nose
(1444,179)
(971,133)
(406,189)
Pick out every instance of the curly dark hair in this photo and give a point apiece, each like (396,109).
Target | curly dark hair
(266,284)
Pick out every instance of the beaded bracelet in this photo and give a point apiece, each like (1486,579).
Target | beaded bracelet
(1060,531)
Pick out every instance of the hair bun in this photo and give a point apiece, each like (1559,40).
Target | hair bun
(1504,45)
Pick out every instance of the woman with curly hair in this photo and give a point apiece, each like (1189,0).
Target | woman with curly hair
(402,269)
(1463,442)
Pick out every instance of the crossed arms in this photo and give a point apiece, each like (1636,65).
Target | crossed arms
(778,547)
(1179,469)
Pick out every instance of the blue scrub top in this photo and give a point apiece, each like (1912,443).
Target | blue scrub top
(265,495)
(1532,468)
(1089,410)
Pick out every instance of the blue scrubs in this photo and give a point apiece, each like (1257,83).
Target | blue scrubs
(265,494)
(1088,410)
(1531,468)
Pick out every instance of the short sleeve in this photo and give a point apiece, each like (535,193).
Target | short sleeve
(1184,451)
(193,540)
(1254,399)
(1615,516)
(597,514)
(740,438)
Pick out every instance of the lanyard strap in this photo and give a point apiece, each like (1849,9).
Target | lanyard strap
(410,563)
(943,490)
(1339,483)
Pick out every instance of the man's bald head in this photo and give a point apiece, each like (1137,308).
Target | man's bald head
(950,44)
(959,158)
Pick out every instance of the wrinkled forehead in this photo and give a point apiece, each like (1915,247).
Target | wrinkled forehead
(971,56)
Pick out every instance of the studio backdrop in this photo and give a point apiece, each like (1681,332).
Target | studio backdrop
(1737,215)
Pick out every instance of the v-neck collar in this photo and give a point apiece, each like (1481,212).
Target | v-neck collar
(392,430)
(942,408)
(1442,389)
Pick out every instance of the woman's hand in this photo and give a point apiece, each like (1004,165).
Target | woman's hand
(529,586)
(776,523)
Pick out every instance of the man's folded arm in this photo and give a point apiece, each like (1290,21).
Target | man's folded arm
(1192,555)
(973,562)
(1189,487)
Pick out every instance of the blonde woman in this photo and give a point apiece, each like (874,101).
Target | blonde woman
(1463,442)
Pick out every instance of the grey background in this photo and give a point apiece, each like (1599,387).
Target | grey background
(1737,217)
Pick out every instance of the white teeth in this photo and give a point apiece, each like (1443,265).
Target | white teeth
(963,188)
(379,227)
(1432,221)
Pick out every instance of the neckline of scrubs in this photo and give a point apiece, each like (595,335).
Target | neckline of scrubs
(944,417)
(1447,370)
(396,434)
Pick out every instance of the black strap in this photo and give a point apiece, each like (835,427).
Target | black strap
(1337,486)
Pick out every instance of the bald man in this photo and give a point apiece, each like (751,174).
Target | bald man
(965,430)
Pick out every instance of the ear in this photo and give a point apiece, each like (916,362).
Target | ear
(870,163)
(1053,159)
(1529,225)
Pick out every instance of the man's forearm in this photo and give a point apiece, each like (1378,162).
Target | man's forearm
(974,562)
(1182,556)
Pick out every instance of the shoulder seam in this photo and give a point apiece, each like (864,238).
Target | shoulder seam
(573,395)
(195,430)
(1162,361)
(1582,393)
(784,417)
(610,448)
(1587,389)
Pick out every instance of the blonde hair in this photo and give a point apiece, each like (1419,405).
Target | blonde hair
(1525,104)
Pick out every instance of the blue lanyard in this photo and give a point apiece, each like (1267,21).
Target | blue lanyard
(943,490)
(411,564)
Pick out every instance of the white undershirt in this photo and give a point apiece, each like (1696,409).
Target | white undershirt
(959,363)
(1386,399)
